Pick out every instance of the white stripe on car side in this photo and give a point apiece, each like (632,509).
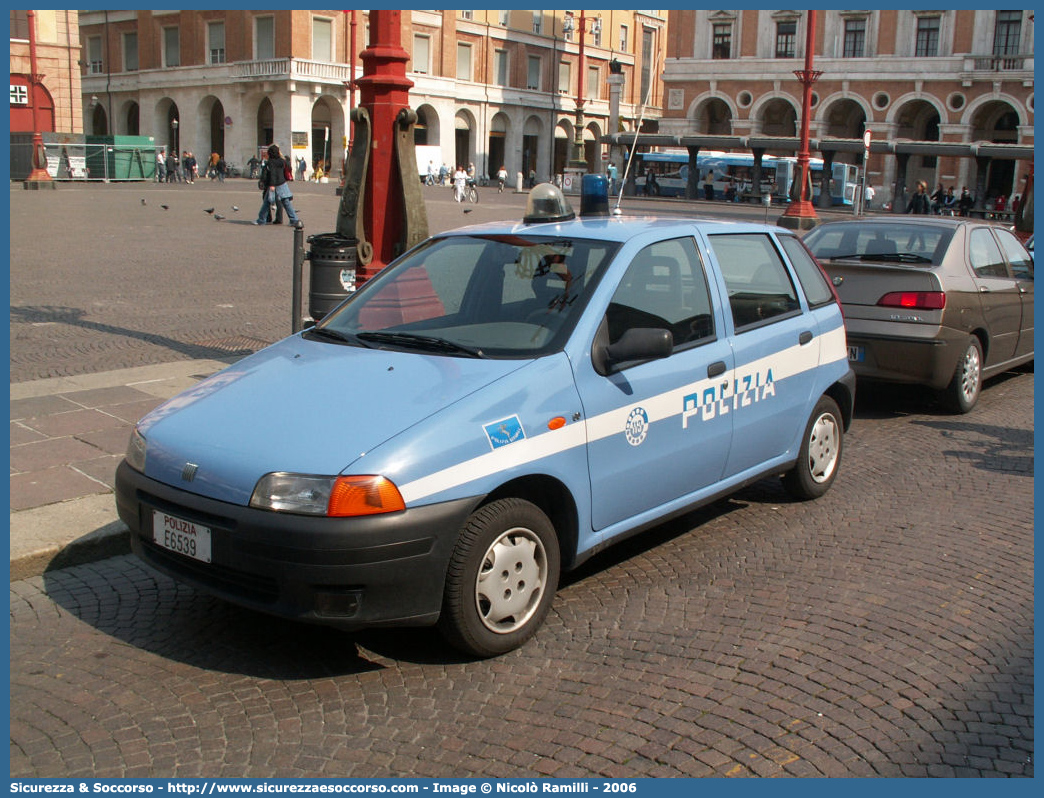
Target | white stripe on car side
(788,363)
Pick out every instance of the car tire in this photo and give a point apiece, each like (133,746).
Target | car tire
(820,456)
(963,391)
(501,579)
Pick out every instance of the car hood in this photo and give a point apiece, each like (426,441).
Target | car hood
(301,406)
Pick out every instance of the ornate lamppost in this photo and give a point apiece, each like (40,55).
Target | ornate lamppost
(578,163)
(38,177)
(801,214)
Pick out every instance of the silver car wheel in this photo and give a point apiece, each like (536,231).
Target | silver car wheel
(823,448)
(971,374)
(511,580)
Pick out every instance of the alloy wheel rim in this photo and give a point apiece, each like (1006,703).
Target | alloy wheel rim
(970,374)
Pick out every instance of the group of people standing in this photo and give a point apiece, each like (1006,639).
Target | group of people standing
(172,169)
(941,202)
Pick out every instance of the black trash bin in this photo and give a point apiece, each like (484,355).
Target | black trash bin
(332,277)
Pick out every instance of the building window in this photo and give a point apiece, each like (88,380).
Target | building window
(538,21)
(927,37)
(322,39)
(565,77)
(464,62)
(786,39)
(467,14)
(855,38)
(19,25)
(504,17)
(130,52)
(171,47)
(94,55)
(216,42)
(533,73)
(623,38)
(421,54)
(721,44)
(647,62)
(594,87)
(1008,33)
(500,67)
(264,38)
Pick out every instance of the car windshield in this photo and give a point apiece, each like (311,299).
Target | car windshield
(921,244)
(474,296)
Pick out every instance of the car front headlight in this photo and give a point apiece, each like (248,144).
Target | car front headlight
(135,456)
(310,494)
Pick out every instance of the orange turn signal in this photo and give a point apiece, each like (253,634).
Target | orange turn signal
(364,495)
(556,423)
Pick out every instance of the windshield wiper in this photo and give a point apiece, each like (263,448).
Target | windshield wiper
(416,341)
(335,335)
(894,257)
(900,257)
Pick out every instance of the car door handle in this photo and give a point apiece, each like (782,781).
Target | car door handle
(805,337)
(716,369)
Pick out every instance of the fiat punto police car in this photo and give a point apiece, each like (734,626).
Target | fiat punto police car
(493,408)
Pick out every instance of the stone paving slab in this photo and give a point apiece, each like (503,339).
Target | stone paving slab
(68,434)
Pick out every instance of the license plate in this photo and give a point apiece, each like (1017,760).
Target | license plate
(856,354)
(181,536)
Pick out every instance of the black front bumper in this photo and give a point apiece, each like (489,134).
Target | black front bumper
(346,572)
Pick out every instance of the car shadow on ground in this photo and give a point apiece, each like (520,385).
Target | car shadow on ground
(879,400)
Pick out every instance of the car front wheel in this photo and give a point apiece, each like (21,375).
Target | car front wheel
(963,391)
(820,455)
(501,580)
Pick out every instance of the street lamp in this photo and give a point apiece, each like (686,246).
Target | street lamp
(39,176)
(174,128)
(800,214)
(578,163)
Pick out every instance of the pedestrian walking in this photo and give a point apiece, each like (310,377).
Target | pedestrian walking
(868,197)
(431,174)
(276,188)
(611,173)
(221,168)
(919,202)
(302,168)
(460,180)
(161,167)
(172,168)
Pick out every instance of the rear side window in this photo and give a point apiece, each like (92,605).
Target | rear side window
(985,255)
(760,289)
(1021,263)
(813,281)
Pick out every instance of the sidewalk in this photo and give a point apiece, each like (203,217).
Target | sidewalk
(68,434)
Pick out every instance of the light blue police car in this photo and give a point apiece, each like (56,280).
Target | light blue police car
(493,408)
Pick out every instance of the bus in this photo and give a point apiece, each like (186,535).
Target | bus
(733,175)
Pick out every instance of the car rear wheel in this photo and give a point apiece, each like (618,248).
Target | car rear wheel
(963,391)
(820,454)
(501,580)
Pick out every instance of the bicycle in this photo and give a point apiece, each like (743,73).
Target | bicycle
(471,192)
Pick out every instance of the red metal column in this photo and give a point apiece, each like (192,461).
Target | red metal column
(801,214)
(39,173)
(383,92)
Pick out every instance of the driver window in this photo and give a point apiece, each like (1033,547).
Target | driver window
(664,288)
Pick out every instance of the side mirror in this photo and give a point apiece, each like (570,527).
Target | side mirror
(640,343)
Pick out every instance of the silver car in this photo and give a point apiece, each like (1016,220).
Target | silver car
(941,302)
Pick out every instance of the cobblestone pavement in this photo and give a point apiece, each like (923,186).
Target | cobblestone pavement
(127,284)
(884,630)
